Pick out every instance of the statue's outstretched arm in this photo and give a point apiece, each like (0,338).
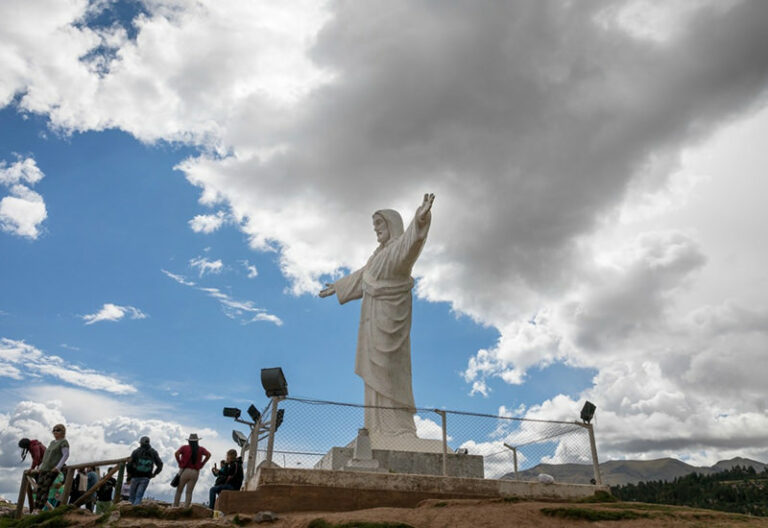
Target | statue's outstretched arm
(329,289)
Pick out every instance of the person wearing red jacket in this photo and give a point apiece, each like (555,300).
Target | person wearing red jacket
(191,458)
(33,447)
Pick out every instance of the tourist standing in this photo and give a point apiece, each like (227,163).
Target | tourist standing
(191,458)
(34,448)
(50,467)
(140,469)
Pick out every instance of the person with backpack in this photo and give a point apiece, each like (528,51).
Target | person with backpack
(228,477)
(140,469)
(191,458)
(34,448)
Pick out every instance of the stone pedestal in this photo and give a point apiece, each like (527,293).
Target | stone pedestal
(407,462)
(410,443)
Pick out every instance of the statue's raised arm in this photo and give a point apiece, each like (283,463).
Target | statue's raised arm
(426,206)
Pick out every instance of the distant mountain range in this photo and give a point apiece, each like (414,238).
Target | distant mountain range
(617,472)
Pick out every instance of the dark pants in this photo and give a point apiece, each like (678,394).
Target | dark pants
(215,490)
(44,481)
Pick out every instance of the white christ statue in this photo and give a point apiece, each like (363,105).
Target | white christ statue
(383,357)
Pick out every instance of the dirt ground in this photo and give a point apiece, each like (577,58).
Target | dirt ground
(457,514)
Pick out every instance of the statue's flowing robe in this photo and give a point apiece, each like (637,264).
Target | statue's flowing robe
(383,356)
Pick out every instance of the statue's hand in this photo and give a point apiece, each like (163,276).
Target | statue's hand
(328,290)
(424,208)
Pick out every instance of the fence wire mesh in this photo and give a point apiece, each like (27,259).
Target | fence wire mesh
(494,446)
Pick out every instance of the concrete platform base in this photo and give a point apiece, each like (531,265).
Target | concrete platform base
(283,490)
(409,462)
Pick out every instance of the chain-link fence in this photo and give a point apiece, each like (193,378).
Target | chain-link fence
(321,434)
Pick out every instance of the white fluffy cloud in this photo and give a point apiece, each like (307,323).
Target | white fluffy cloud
(19,360)
(114,312)
(23,210)
(207,223)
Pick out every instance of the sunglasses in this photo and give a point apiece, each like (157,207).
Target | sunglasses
(58,430)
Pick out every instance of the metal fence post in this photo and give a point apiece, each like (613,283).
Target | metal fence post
(272,424)
(514,458)
(252,451)
(445,440)
(593,446)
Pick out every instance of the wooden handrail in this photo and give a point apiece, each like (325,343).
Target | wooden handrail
(25,490)
(99,463)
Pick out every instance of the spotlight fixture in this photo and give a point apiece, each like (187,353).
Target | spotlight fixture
(279,418)
(588,411)
(254,413)
(240,439)
(273,381)
(232,412)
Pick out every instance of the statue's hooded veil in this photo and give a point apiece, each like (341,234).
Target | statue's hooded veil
(394,222)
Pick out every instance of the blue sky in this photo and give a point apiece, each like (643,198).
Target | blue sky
(203,169)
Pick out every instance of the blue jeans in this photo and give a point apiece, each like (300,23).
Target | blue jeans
(138,487)
(215,490)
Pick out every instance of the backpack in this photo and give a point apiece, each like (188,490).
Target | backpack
(143,464)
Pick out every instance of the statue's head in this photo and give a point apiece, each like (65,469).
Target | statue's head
(388,225)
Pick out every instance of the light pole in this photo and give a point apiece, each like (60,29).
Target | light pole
(264,423)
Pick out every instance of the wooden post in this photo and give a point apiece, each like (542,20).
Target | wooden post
(119,485)
(31,488)
(68,478)
(22,496)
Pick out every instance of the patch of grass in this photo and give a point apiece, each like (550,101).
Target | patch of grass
(104,517)
(240,521)
(440,505)
(47,519)
(322,523)
(512,499)
(584,514)
(645,506)
(599,496)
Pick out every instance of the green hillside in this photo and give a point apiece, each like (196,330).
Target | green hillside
(737,490)
(618,472)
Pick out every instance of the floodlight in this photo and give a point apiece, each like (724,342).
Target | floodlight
(461,451)
(240,439)
(588,411)
(273,381)
(254,413)
(232,412)
(279,418)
